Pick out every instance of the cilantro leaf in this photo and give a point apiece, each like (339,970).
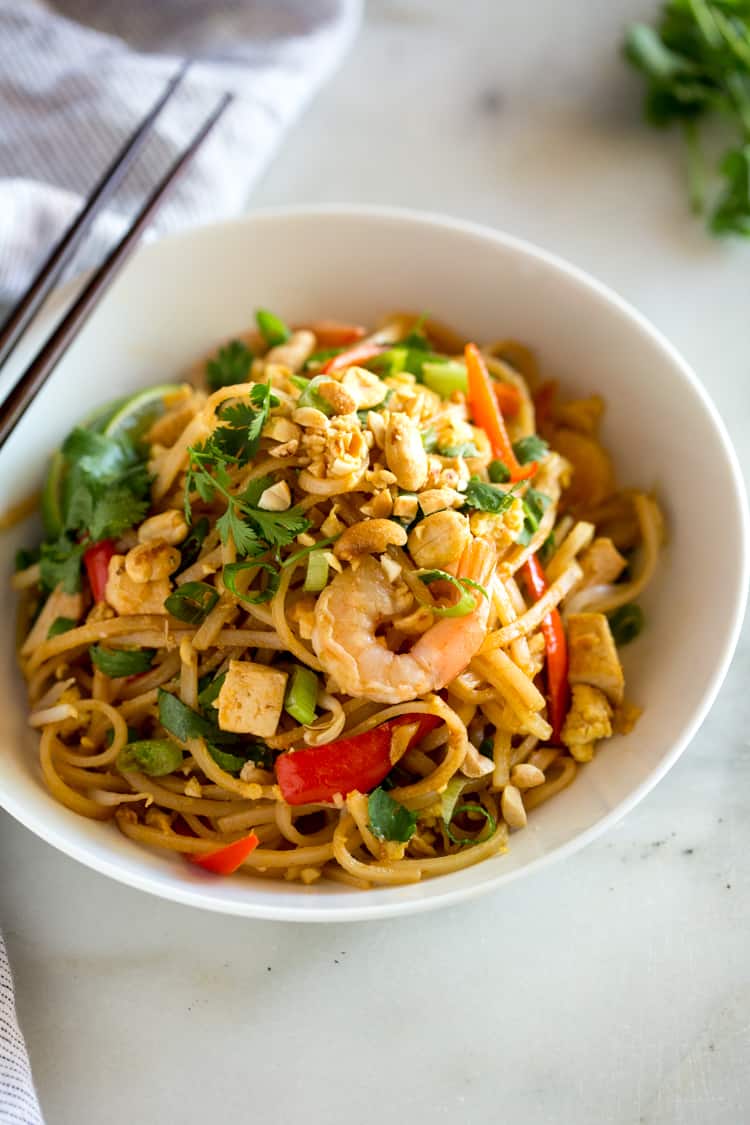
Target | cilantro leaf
(487,498)
(390,820)
(531,448)
(230,365)
(60,565)
(278,529)
(231,524)
(461,449)
(535,504)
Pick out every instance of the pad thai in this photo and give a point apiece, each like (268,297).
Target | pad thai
(343,605)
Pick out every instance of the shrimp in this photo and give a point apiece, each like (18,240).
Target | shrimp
(350,610)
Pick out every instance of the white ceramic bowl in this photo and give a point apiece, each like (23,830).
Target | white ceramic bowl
(179,297)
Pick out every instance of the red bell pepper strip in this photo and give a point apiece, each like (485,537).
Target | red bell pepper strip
(226,860)
(486,412)
(360,353)
(96,560)
(335,334)
(508,399)
(557,650)
(317,773)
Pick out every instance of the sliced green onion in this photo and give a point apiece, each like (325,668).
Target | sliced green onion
(449,797)
(299,381)
(316,578)
(190,548)
(210,692)
(320,357)
(311,396)
(466,603)
(302,695)
(230,763)
(61,625)
(115,662)
(490,824)
(626,623)
(192,602)
(295,558)
(229,578)
(498,472)
(271,327)
(153,756)
(445,378)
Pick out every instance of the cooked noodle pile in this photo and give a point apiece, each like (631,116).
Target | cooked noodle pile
(350,603)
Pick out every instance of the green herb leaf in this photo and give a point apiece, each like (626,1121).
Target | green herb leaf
(60,565)
(487,498)
(317,359)
(230,365)
(626,623)
(696,63)
(153,756)
(272,328)
(531,448)
(232,763)
(117,662)
(209,693)
(462,449)
(449,797)
(490,825)
(25,558)
(190,548)
(60,625)
(229,577)
(498,472)
(192,602)
(535,504)
(184,723)
(429,440)
(390,820)
(466,603)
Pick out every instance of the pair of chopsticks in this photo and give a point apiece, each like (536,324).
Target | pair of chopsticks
(38,371)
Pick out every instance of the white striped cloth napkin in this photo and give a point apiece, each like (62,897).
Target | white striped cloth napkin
(69,96)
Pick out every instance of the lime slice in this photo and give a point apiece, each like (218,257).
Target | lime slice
(130,416)
(134,416)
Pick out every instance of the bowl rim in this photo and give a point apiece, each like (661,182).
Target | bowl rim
(191,895)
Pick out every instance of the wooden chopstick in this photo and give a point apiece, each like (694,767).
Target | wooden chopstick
(62,253)
(41,367)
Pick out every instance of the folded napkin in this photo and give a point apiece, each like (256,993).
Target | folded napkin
(70,95)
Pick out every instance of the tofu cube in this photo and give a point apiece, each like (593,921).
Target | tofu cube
(251,699)
(593,655)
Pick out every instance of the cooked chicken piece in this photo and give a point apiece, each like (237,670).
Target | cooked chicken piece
(58,604)
(601,564)
(589,718)
(593,656)
(251,698)
(127,597)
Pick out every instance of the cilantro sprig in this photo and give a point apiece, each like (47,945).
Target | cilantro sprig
(696,62)
(234,443)
(106,491)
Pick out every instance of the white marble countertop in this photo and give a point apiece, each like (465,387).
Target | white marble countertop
(612,989)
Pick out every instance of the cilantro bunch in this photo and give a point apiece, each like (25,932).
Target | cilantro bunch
(106,490)
(696,62)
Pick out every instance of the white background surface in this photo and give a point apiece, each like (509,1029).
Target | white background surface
(613,989)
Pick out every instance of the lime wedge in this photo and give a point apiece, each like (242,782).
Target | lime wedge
(134,416)
(130,416)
